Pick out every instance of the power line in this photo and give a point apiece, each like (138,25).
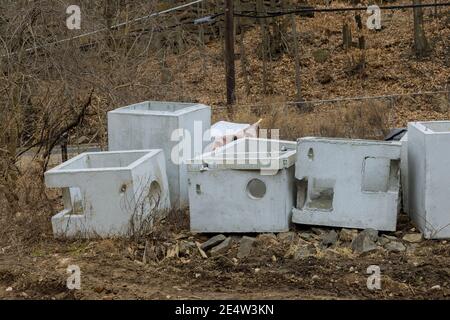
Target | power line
(246,14)
(155,14)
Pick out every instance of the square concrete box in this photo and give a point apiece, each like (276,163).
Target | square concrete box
(429,177)
(153,125)
(244,186)
(347,183)
(109,193)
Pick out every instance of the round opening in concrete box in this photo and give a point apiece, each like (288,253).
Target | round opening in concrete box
(256,189)
(154,195)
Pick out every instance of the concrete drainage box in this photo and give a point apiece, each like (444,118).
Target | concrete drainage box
(244,186)
(115,192)
(153,124)
(429,177)
(347,183)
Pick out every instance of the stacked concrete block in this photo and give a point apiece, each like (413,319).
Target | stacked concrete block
(181,130)
(109,193)
(244,186)
(429,177)
(347,183)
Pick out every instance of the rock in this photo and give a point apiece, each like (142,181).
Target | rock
(392,238)
(371,233)
(245,247)
(305,252)
(330,238)
(286,236)
(268,238)
(214,241)
(347,235)
(395,246)
(306,235)
(382,241)
(187,247)
(222,248)
(413,237)
(364,242)
(318,231)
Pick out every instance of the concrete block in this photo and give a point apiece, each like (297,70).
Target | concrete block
(347,183)
(109,193)
(154,125)
(429,177)
(245,186)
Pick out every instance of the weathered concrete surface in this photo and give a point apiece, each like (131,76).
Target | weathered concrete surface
(241,200)
(404,173)
(347,183)
(113,190)
(429,177)
(151,124)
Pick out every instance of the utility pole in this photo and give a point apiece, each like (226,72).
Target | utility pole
(229,52)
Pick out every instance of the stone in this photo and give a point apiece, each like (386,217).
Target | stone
(187,247)
(286,236)
(245,247)
(382,241)
(395,246)
(371,233)
(330,238)
(212,242)
(347,235)
(413,237)
(306,235)
(305,252)
(222,248)
(364,242)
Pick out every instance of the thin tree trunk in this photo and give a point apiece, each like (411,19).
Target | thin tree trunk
(297,59)
(421,46)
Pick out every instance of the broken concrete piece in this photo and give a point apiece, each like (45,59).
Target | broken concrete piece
(367,172)
(245,247)
(222,248)
(116,192)
(365,241)
(248,182)
(205,246)
(395,246)
(413,237)
(429,176)
(330,238)
(151,124)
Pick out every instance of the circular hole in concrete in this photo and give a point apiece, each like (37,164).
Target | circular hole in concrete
(256,189)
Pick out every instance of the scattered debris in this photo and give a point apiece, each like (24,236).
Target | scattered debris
(413,237)
(222,247)
(330,238)
(286,236)
(214,241)
(365,241)
(245,247)
(305,251)
(347,235)
(395,246)
(202,253)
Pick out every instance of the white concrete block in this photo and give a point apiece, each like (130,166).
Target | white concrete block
(245,186)
(151,125)
(429,177)
(109,193)
(347,183)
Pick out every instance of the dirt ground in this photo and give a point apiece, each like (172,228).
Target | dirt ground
(116,269)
